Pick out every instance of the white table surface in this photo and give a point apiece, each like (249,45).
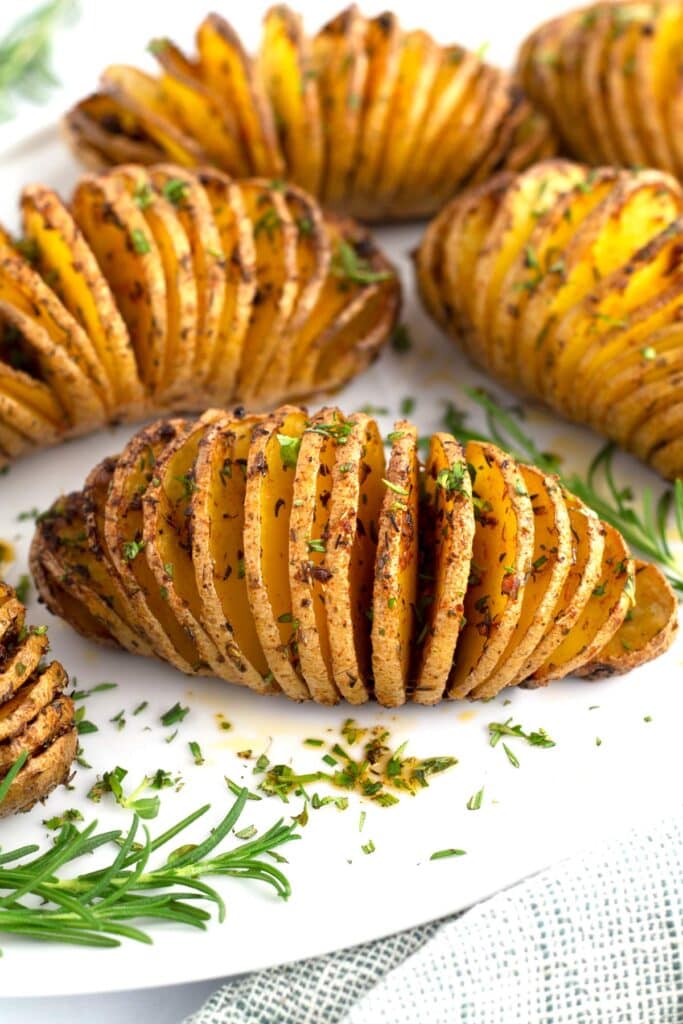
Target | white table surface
(118,32)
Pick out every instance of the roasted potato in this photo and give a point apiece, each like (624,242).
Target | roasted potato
(565,282)
(280,552)
(378,122)
(160,289)
(609,78)
(36,716)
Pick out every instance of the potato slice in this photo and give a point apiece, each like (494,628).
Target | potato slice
(509,233)
(230,73)
(383,41)
(123,532)
(313,255)
(50,723)
(396,565)
(512,351)
(167,541)
(602,616)
(440,136)
(193,209)
(36,694)
(447,533)
(340,62)
(100,131)
(95,497)
(21,663)
(418,69)
(584,575)
(357,495)
(550,568)
(181,285)
(217,530)
(308,574)
(598,34)
(237,242)
(65,260)
(30,407)
(267,510)
(23,288)
(286,66)
(502,553)
(41,774)
(186,99)
(621,107)
(24,339)
(139,97)
(61,547)
(275,240)
(116,231)
(647,631)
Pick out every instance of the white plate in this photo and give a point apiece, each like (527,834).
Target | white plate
(557,801)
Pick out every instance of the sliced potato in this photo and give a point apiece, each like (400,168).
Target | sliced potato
(41,774)
(308,574)
(267,510)
(20,664)
(396,566)
(117,233)
(187,196)
(167,541)
(100,130)
(647,631)
(502,553)
(313,255)
(602,616)
(275,241)
(550,568)
(139,98)
(183,97)
(179,380)
(36,694)
(217,530)
(50,723)
(123,532)
(286,65)
(237,242)
(340,63)
(447,534)
(357,494)
(24,339)
(65,260)
(584,574)
(229,73)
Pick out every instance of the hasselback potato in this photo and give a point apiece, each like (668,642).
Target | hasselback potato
(567,284)
(160,289)
(36,716)
(378,122)
(609,78)
(281,552)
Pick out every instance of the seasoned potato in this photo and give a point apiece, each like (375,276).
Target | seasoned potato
(279,552)
(36,717)
(162,289)
(377,121)
(608,77)
(565,283)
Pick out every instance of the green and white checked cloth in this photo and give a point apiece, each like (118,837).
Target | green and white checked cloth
(597,939)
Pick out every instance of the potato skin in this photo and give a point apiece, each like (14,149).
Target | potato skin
(36,716)
(300,563)
(377,121)
(564,282)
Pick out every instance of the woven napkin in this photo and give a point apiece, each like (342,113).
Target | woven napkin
(596,939)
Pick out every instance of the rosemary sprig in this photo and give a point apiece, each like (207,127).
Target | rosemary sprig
(100,907)
(645,527)
(26,53)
